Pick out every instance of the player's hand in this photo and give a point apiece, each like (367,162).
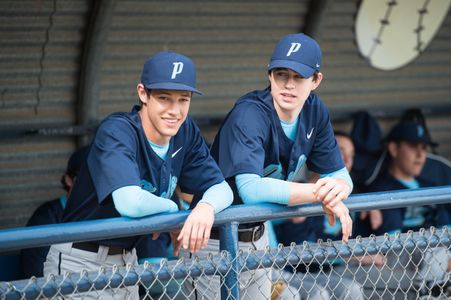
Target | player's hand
(176,244)
(376,218)
(298,220)
(331,191)
(196,230)
(342,212)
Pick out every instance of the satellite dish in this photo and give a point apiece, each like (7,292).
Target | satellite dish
(391,34)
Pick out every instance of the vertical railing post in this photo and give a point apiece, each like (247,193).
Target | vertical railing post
(228,240)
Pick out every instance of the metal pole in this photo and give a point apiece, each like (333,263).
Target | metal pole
(316,13)
(91,67)
(228,240)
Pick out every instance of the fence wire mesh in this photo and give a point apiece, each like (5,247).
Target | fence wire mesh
(413,265)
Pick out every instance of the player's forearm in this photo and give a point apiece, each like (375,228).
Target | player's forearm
(255,189)
(134,202)
(301,193)
(219,196)
(343,176)
(188,198)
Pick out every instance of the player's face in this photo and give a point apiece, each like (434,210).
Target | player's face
(289,91)
(347,150)
(163,112)
(407,159)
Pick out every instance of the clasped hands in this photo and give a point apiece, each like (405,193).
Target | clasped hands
(331,193)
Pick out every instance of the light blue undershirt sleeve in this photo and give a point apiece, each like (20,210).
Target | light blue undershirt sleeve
(290,129)
(220,196)
(161,151)
(255,189)
(342,174)
(134,202)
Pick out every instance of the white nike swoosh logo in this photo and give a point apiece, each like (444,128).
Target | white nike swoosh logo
(310,134)
(175,153)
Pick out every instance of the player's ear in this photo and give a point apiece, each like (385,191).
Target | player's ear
(68,181)
(317,77)
(142,93)
(392,148)
(269,75)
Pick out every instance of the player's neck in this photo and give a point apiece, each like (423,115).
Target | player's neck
(399,174)
(288,116)
(161,141)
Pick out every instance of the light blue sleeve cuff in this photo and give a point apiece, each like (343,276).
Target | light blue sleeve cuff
(394,231)
(342,174)
(134,202)
(255,189)
(220,196)
(151,260)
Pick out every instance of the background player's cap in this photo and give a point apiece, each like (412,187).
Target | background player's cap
(297,52)
(409,131)
(76,160)
(169,71)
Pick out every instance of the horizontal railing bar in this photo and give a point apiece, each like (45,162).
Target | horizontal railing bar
(146,274)
(27,237)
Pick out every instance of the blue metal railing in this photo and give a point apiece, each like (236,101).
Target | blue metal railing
(228,220)
(27,237)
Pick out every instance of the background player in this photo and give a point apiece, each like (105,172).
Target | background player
(134,165)
(50,212)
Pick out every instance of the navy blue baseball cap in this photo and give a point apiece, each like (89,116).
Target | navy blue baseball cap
(297,52)
(76,160)
(409,131)
(168,70)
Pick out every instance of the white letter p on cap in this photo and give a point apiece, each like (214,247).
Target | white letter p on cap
(178,67)
(294,48)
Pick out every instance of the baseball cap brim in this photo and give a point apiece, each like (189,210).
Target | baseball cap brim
(412,140)
(426,142)
(172,86)
(303,70)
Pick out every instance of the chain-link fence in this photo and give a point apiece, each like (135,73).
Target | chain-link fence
(399,266)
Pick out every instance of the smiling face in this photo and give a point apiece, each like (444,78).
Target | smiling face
(289,91)
(407,159)
(162,113)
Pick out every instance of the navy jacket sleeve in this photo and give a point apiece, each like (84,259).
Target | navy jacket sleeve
(112,159)
(199,171)
(240,144)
